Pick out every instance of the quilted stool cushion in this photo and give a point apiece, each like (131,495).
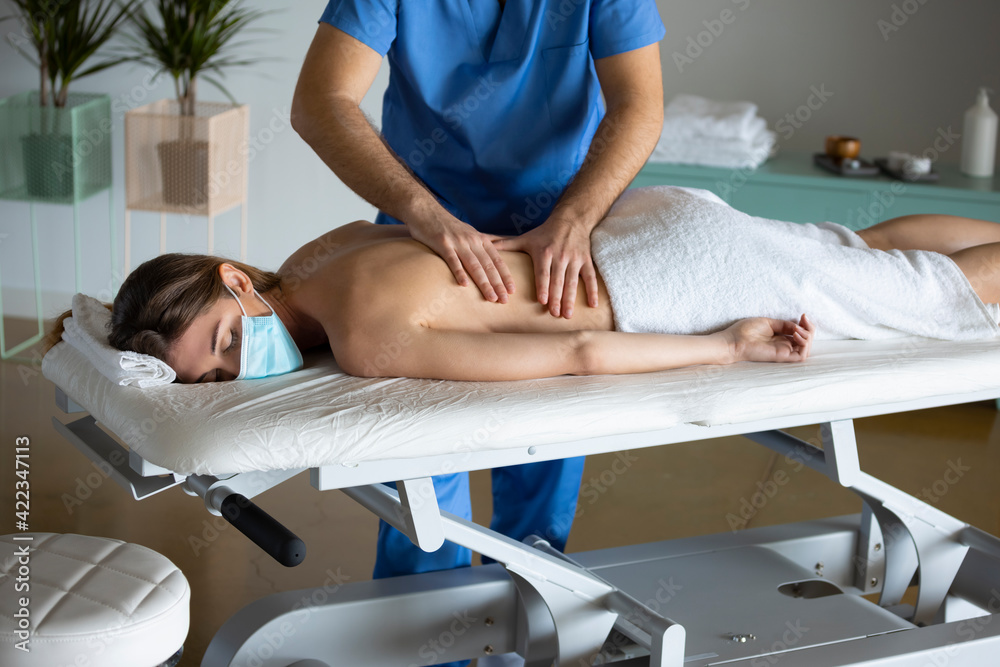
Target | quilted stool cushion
(91,601)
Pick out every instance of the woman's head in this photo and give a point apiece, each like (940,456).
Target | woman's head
(175,307)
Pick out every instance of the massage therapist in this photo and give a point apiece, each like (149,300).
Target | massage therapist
(492,125)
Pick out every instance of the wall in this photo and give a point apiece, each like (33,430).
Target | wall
(892,73)
(293,196)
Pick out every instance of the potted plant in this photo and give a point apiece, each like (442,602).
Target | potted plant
(61,137)
(191,40)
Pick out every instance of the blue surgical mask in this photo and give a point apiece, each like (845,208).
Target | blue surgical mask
(266,347)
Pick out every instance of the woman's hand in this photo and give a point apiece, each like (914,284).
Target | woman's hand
(765,339)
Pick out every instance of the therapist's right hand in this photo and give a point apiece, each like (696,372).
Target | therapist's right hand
(468,253)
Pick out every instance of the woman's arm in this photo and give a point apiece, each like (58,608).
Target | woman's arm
(455,355)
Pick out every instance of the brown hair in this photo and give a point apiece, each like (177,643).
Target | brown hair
(162,296)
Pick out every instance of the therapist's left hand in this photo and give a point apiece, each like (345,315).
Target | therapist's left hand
(560,253)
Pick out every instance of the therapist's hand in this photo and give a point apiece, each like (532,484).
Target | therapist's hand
(560,253)
(468,253)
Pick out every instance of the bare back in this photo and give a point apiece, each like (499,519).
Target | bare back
(370,280)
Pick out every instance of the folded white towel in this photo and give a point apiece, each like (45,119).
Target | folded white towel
(87,331)
(691,115)
(681,260)
(718,152)
(730,135)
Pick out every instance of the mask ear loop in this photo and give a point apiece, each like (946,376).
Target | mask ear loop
(240,303)
(265,303)
(243,342)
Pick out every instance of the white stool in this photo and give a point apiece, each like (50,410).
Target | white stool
(89,601)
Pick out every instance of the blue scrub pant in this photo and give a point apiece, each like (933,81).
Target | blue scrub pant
(537,498)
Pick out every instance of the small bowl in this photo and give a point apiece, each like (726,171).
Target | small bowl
(843,147)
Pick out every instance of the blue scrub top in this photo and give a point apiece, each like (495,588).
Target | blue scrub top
(495,110)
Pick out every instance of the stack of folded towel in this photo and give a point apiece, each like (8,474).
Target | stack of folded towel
(697,130)
(87,331)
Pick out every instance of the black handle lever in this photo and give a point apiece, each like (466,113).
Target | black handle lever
(263,530)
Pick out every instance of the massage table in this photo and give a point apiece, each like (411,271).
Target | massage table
(789,595)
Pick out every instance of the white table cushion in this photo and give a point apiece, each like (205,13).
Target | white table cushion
(320,416)
(93,601)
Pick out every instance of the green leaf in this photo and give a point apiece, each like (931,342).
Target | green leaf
(69,34)
(30,57)
(101,67)
(191,37)
(218,84)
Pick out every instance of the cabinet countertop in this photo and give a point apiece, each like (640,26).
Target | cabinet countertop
(797,168)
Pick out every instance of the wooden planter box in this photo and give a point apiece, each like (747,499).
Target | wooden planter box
(186,164)
(55,155)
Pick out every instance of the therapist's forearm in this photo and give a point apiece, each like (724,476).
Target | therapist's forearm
(623,141)
(340,134)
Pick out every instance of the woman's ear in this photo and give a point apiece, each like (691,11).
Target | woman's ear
(236,279)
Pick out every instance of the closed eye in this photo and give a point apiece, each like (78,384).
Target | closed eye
(232,345)
(235,340)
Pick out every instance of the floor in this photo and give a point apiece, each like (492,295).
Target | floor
(666,492)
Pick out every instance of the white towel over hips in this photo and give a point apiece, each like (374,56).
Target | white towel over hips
(681,260)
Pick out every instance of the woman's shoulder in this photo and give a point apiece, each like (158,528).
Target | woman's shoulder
(339,240)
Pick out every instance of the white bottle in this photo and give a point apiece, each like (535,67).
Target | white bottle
(979,141)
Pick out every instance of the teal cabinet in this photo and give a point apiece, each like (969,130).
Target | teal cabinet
(790,187)
(908,202)
(652,177)
(802,203)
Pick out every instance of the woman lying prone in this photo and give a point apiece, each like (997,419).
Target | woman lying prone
(388,306)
